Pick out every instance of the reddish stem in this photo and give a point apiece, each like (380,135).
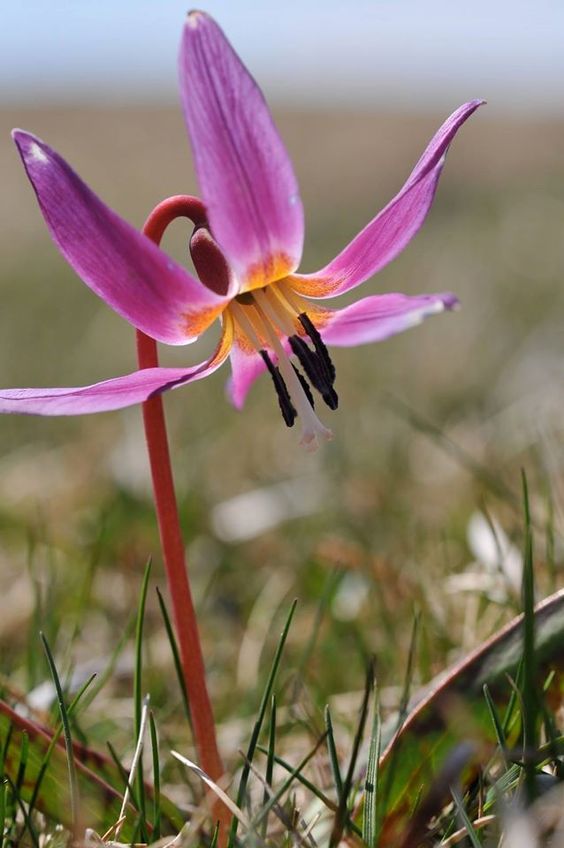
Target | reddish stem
(184,616)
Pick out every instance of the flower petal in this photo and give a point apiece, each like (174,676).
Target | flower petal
(246,178)
(112,394)
(246,366)
(394,227)
(375,318)
(137,279)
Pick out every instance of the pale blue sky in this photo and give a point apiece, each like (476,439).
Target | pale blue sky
(404,53)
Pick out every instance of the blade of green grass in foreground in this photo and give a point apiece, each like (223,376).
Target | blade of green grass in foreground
(342,810)
(311,787)
(73,782)
(473,837)
(242,791)
(496,721)
(56,736)
(135,765)
(138,694)
(175,655)
(25,815)
(3,794)
(276,796)
(333,756)
(270,761)
(156,778)
(529,679)
(370,819)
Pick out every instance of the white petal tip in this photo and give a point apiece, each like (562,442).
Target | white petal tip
(37,154)
(195,18)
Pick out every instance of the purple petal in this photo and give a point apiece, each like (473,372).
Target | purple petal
(246,366)
(375,318)
(394,227)
(246,178)
(137,279)
(116,393)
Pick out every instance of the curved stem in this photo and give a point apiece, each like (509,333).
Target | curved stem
(184,616)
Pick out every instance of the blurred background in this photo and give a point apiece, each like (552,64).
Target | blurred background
(434,425)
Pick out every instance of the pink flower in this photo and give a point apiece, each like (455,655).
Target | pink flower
(246,250)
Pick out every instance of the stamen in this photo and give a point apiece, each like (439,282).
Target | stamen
(317,365)
(313,430)
(318,344)
(316,371)
(279,317)
(305,386)
(288,412)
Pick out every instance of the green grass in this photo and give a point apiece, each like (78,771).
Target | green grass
(321,771)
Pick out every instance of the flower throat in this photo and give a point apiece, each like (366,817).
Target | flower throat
(263,318)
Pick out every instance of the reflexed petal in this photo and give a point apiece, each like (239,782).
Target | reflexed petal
(137,279)
(246,178)
(375,318)
(112,394)
(394,227)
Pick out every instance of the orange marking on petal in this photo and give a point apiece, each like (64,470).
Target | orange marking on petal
(319,315)
(194,323)
(314,286)
(243,342)
(267,271)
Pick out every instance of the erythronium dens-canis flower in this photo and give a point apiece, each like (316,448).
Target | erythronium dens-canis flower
(246,247)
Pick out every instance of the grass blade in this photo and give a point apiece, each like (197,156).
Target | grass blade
(473,837)
(137,679)
(3,793)
(156,778)
(496,721)
(26,817)
(269,760)
(175,655)
(24,750)
(276,796)
(342,811)
(311,787)
(54,739)
(528,690)
(73,782)
(370,825)
(242,791)
(138,691)
(135,765)
(333,758)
